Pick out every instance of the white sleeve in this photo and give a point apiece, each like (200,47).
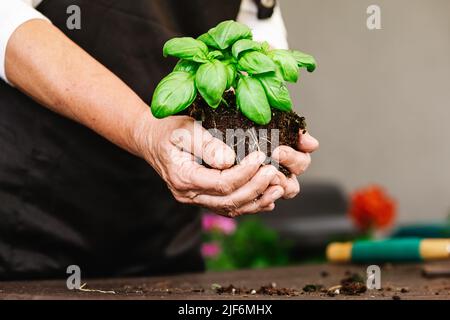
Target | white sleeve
(13,13)
(271,30)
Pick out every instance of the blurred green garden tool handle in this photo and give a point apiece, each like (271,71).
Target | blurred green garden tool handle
(389,250)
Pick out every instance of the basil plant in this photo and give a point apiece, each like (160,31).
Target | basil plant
(226,57)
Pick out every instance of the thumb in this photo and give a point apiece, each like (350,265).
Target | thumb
(193,138)
(307,143)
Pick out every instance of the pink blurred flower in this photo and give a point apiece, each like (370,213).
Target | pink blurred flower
(210,250)
(213,222)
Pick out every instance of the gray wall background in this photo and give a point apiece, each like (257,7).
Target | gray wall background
(379,100)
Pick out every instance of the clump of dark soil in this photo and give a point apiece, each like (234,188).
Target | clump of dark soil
(324,274)
(227,116)
(230,289)
(270,290)
(353,285)
(312,288)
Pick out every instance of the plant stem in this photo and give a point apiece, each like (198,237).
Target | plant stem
(225,102)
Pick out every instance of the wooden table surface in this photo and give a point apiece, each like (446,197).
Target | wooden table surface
(399,281)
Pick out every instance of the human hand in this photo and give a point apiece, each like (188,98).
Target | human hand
(174,144)
(295,161)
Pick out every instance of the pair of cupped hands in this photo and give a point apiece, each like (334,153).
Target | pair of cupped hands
(175,145)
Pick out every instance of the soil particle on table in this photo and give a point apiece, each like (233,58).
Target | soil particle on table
(353,285)
(312,288)
(270,290)
(144,290)
(396,298)
(324,274)
(230,289)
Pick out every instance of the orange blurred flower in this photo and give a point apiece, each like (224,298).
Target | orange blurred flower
(371,208)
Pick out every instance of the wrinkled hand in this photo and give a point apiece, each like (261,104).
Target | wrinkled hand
(174,145)
(296,161)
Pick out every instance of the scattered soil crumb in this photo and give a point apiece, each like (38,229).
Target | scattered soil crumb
(353,285)
(312,288)
(396,298)
(270,290)
(229,289)
(324,274)
(404,290)
(144,289)
(333,291)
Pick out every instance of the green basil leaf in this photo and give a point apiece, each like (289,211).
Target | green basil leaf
(277,92)
(200,59)
(243,45)
(231,74)
(228,32)
(173,94)
(208,40)
(255,62)
(304,60)
(252,101)
(211,82)
(265,47)
(185,48)
(288,65)
(186,66)
(278,72)
(215,54)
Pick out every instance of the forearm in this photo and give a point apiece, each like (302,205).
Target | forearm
(44,64)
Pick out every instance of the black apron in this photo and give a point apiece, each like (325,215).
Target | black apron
(68,196)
